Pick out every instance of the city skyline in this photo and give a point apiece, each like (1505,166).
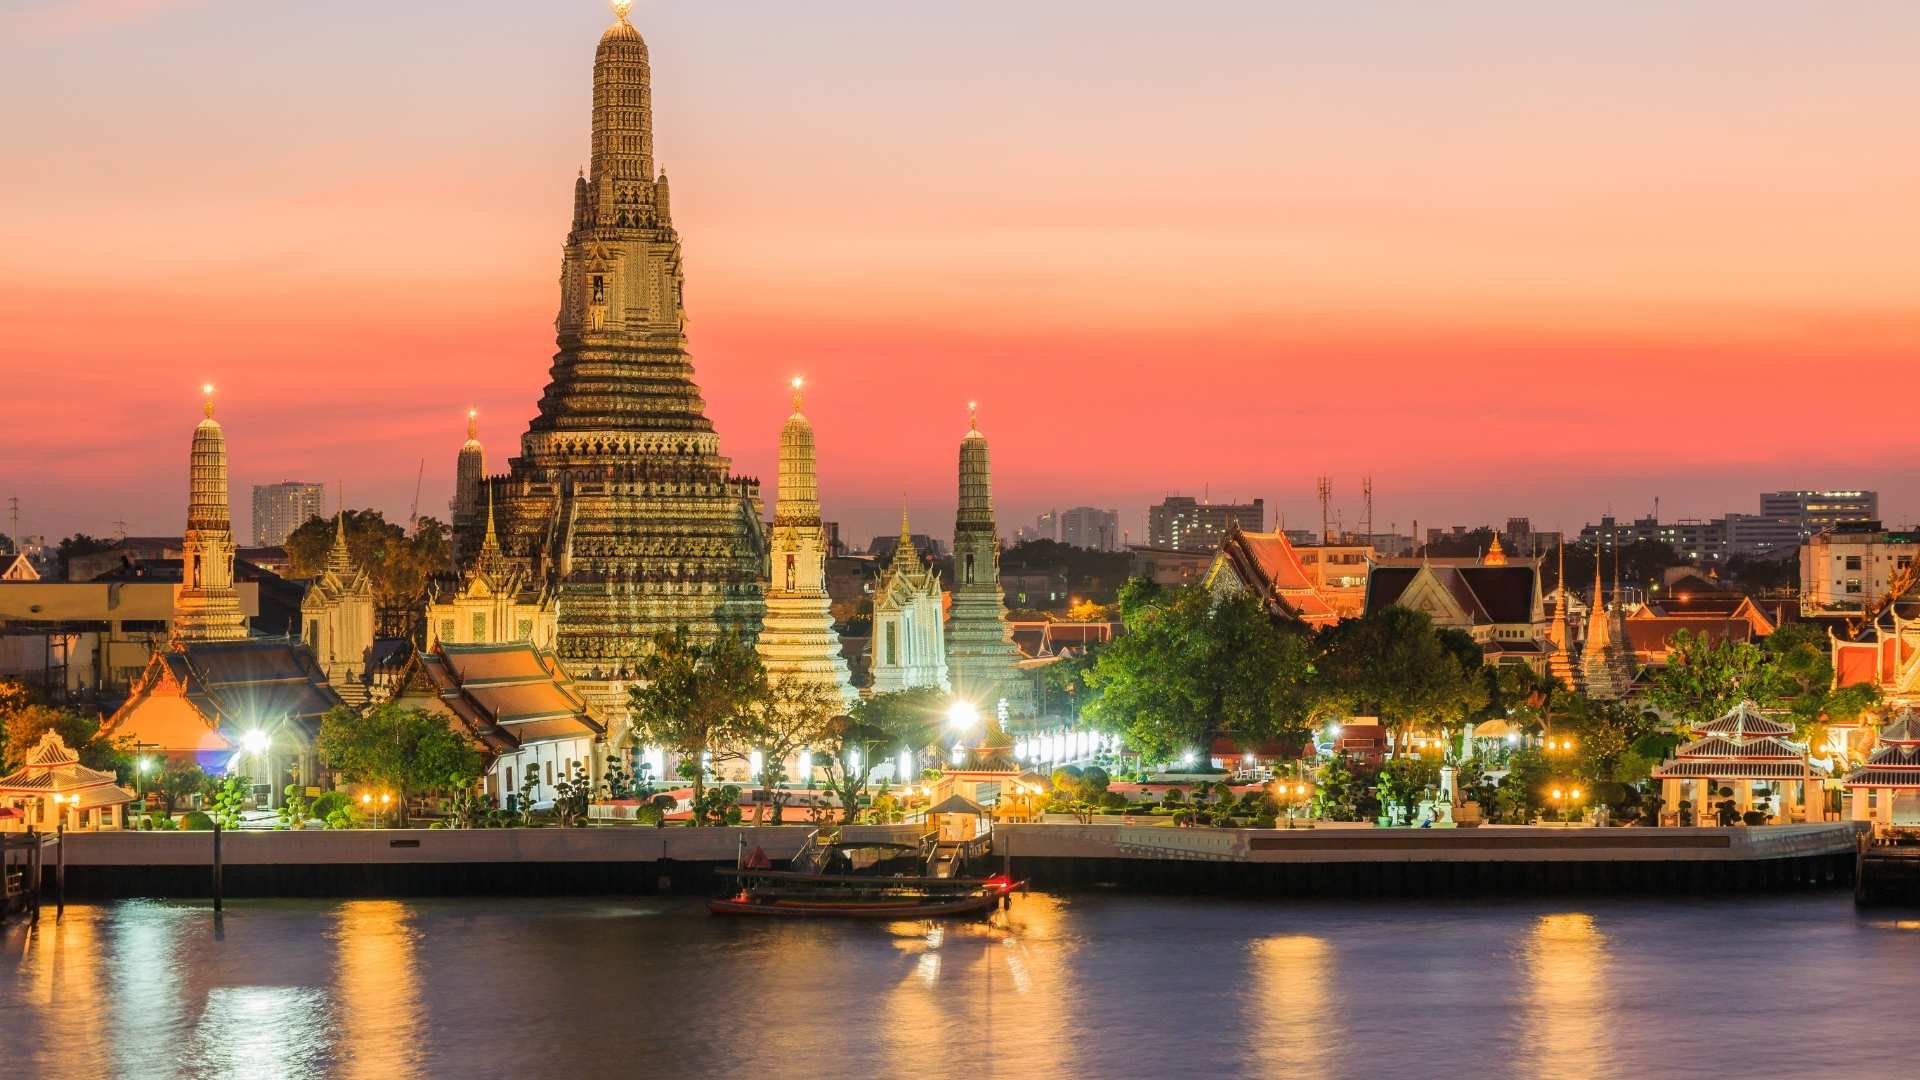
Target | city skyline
(274,198)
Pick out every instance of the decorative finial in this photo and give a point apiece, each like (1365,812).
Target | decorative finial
(207,391)
(798,383)
(620,8)
(973,416)
(473,424)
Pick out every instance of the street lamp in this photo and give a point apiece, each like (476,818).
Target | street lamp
(255,742)
(1559,744)
(962,715)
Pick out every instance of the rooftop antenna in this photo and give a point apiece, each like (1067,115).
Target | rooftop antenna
(13,509)
(1326,510)
(1366,494)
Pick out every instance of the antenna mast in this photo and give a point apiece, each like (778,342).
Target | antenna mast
(1366,493)
(1326,510)
(413,516)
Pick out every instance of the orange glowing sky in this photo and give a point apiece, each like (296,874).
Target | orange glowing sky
(1507,258)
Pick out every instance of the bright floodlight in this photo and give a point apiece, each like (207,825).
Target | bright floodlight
(255,742)
(962,714)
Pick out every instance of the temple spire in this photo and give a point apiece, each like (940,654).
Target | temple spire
(207,392)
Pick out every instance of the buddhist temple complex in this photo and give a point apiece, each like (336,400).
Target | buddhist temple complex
(909,642)
(981,656)
(798,641)
(497,600)
(338,617)
(620,495)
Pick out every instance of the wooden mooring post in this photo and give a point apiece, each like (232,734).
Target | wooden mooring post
(218,885)
(60,871)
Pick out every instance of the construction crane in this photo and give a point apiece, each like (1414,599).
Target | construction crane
(413,515)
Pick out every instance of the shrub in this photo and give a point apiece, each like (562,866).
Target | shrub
(161,822)
(1753,817)
(196,821)
(324,806)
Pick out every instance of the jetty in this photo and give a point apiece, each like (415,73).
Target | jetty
(1887,868)
(1491,860)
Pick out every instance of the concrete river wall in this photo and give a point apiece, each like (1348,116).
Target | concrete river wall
(1429,862)
(1279,862)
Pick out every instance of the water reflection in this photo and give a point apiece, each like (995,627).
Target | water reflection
(1290,1006)
(148,991)
(254,1031)
(1566,966)
(984,988)
(378,1000)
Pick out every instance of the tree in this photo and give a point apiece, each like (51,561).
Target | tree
(405,751)
(697,699)
(1394,665)
(1191,665)
(1802,664)
(795,714)
(178,781)
(77,545)
(878,726)
(399,565)
(1704,679)
(24,720)
(1608,733)
(227,797)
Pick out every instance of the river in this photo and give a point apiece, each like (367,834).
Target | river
(1083,985)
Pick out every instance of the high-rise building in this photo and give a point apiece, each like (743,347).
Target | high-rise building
(620,494)
(279,509)
(1813,511)
(1181,523)
(1087,527)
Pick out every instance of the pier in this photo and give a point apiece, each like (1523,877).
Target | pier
(1887,869)
(1244,862)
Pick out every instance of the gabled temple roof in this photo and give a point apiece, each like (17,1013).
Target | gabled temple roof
(1744,721)
(1267,567)
(196,698)
(504,695)
(1487,594)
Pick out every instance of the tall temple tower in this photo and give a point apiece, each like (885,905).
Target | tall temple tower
(469,476)
(1600,677)
(207,607)
(981,655)
(619,495)
(798,641)
(1560,665)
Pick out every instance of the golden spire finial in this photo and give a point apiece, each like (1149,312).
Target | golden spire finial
(207,391)
(973,416)
(473,424)
(798,383)
(620,8)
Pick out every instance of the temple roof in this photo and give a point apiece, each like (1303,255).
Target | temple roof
(506,695)
(194,698)
(53,768)
(1268,567)
(1488,594)
(1744,721)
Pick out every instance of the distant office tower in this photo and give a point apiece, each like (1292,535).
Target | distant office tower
(1086,527)
(279,509)
(1184,524)
(1813,511)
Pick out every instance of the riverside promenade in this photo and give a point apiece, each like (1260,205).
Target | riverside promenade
(1247,862)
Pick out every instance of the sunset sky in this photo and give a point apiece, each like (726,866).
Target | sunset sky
(1506,258)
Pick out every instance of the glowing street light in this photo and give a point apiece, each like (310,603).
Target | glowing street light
(962,714)
(255,742)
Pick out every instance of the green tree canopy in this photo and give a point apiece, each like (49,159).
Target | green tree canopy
(398,564)
(406,751)
(1191,665)
(1393,664)
(794,715)
(25,717)
(1705,679)
(695,698)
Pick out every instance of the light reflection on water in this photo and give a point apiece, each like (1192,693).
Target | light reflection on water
(1059,987)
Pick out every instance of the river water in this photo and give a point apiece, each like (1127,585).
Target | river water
(1084,985)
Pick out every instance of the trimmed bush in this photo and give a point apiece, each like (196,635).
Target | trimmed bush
(196,821)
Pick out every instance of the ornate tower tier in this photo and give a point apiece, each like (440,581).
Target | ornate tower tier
(619,495)
(207,607)
(469,476)
(798,641)
(981,655)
